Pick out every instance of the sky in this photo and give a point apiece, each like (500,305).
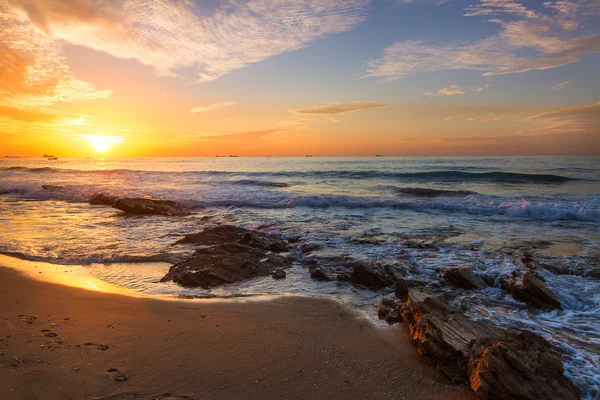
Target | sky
(142,78)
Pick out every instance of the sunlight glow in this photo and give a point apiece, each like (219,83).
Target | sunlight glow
(102,143)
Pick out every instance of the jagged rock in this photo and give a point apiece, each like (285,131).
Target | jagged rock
(150,206)
(52,187)
(444,336)
(278,274)
(389,310)
(370,274)
(102,199)
(428,244)
(401,289)
(219,234)
(525,366)
(321,274)
(263,241)
(306,246)
(531,288)
(464,277)
(224,263)
(494,362)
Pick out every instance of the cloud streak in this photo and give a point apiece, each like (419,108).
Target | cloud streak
(338,108)
(560,86)
(210,107)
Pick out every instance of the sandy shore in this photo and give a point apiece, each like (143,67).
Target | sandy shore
(284,348)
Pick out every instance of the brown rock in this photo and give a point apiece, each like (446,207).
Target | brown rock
(531,289)
(389,310)
(224,263)
(370,274)
(219,234)
(401,289)
(150,207)
(464,277)
(522,367)
(278,274)
(102,199)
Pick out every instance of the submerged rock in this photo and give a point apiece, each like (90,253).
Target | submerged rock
(531,288)
(224,263)
(52,187)
(150,207)
(278,274)
(102,199)
(464,277)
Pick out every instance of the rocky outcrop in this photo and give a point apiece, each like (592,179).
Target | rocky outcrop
(463,277)
(224,263)
(524,366)
(375,274)
(102,199)
(141,206)
(234,234)
(531,288)
(389,310)
(53,188)
(494,362)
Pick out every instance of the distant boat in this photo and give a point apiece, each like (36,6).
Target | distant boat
(378,155)
(12,156)
(220,156)
(268,156)
(232,156)
(52,158)
(307,155)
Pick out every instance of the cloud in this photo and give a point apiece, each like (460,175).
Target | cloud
(32,72)
(339,108)
(451,118)
(214,137)
(528,41)
(455,89)
(559,86)
(211,107)
(172,35)
(26,115)
(569,120)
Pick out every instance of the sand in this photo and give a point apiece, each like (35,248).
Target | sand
(65,342)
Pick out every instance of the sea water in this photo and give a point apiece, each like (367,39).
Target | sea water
(483,210)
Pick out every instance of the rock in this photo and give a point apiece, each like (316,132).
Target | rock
(321,273)
(370,274)
(150,207)
(525,366)
(429,244)
(219,234)
(224,263)
(443,335)
(263,241)
(52,187)
(389,311)
(278,274)
(306,246)
(401,289)
(102,199)
(531,289)
(464,277)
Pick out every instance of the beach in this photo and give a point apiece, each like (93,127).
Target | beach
(283,347)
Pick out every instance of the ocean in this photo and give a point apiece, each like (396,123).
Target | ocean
(482,210)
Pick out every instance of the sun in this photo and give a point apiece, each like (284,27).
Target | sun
(102,143)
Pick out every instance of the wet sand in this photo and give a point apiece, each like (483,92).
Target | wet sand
(64,342)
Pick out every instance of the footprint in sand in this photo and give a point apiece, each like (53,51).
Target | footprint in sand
(96,345)
(27,318)
(116,375)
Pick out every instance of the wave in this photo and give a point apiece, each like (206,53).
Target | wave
(255,182)
(425,192)
(167,258)
(431,176)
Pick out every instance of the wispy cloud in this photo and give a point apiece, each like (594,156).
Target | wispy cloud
(528,41)
(559,86)
(171,35)
(569,120)
(33,73)
(215,137)
(339,108)
(211,107)
(454,90)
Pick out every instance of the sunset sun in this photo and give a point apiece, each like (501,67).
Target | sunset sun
(102,143)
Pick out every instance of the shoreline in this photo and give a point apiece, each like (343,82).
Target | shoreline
(283,347)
